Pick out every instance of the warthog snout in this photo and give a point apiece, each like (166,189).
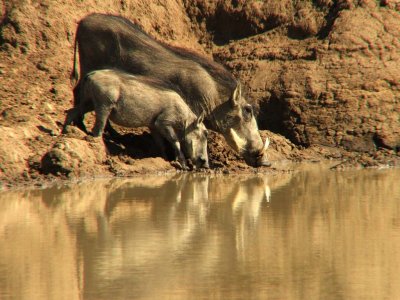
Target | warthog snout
(257,159)
(253,157)
(203,163)
(200,163)
(262,158)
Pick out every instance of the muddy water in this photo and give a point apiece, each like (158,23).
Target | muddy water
(312,234)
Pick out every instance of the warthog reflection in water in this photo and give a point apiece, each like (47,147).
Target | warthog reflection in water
(75,223)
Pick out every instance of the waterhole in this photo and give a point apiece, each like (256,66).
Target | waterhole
(309,234)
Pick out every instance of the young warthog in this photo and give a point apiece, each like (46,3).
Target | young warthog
(136,101)
(106,41)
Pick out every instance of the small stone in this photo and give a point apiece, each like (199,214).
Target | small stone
(42,67)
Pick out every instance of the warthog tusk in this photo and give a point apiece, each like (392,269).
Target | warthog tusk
(266,144)
(267,193)
(240,143)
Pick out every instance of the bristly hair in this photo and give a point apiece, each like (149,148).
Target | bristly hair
(148,80)
(217,71)
(125,20)
(151,81)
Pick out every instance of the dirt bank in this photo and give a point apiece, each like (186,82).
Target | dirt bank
(323,76)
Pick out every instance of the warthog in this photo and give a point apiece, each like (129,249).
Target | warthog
(137,101)
(112,41)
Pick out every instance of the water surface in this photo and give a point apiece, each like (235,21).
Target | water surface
(312,234)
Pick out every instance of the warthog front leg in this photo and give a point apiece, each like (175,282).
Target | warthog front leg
(169,134)
(179,156)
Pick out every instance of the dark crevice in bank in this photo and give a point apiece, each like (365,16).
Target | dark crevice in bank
(275,115)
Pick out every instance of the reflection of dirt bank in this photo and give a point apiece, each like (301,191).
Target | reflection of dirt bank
(38,256)
(330,91)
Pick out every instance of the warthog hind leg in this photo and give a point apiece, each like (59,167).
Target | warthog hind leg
(114,135)
(74,117)
(102,114)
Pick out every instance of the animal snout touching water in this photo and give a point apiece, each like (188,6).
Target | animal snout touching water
(136,101)
(195,145)
(257,158)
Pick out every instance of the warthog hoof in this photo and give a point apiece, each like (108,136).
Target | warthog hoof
(93,139)
(179,165)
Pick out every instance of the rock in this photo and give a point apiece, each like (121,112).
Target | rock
(75,157)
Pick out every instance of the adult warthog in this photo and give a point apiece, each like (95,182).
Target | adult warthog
(112,41)
(136,101)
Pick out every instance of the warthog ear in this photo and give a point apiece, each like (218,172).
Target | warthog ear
(200,119)
(237,94)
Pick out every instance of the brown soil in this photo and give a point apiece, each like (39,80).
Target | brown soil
(323,76)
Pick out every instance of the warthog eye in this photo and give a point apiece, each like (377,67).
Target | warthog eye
(247,112)
(248,109)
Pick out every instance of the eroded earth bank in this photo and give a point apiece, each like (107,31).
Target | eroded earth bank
(323,75)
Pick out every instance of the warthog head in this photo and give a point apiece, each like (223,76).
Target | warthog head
(241,131)
(195,144)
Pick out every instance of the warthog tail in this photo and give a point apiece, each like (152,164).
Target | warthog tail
(74,73)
